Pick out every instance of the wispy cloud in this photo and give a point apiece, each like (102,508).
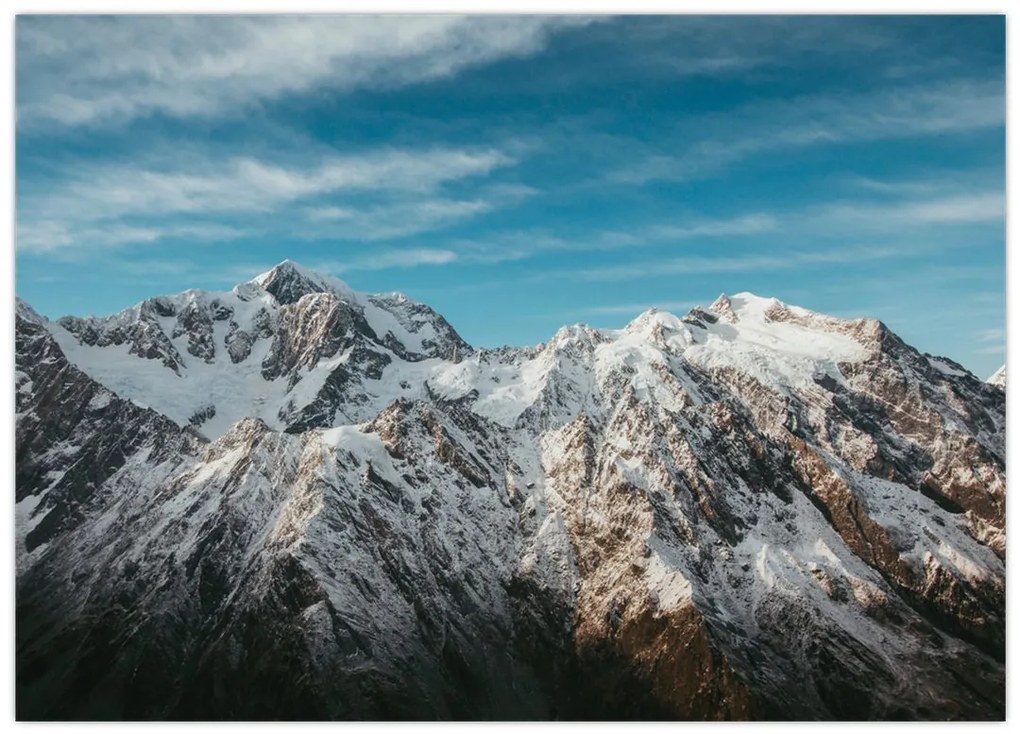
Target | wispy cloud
(739,225)
(980,207)
(249,184)
(50,235)
(894,225)
(188,66)
(727,46)
(789,260)
(775,126)
(838,219)
(910,187)
(991,335)
(115,205)
(396,217)
(677,229)
(986,207)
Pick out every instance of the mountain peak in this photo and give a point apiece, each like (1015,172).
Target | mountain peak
(747,299)
(745,304)
(289,281)
(653,318)
(24,311)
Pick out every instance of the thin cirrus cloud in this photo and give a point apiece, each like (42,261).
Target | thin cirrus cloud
(526,245)
(702,265)
(982,207)
(101,204)
(773,126)
(247,184)
(838,218)
(991,335)
(733,264)
(993,341)
(398,219)
(47,236)
(186,66)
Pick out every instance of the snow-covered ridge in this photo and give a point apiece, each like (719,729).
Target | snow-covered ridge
(272,349)
(206,357)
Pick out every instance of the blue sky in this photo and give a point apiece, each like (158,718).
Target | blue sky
(520,173)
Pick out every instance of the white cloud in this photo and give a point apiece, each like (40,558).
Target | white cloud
(92,69)
(895,187)
(980,207)
(248,184)
(961,208)
(991,335)
(102,204)
(51,235)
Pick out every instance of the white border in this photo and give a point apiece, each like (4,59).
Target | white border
(447,6)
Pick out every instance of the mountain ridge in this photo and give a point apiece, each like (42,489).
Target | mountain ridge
(803,505)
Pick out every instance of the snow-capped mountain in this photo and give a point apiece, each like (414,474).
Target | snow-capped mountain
(291,347)
(999,378)
(294,500)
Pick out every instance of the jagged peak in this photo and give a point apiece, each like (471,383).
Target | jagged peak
(288,281)
(577,333)
(24,311)
(998,378)
(724,308)
(245,430)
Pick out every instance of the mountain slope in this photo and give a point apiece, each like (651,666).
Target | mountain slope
(750,511)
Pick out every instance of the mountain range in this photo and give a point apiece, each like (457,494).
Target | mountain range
(296,501)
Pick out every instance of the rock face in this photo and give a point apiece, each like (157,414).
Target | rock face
(750,512)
